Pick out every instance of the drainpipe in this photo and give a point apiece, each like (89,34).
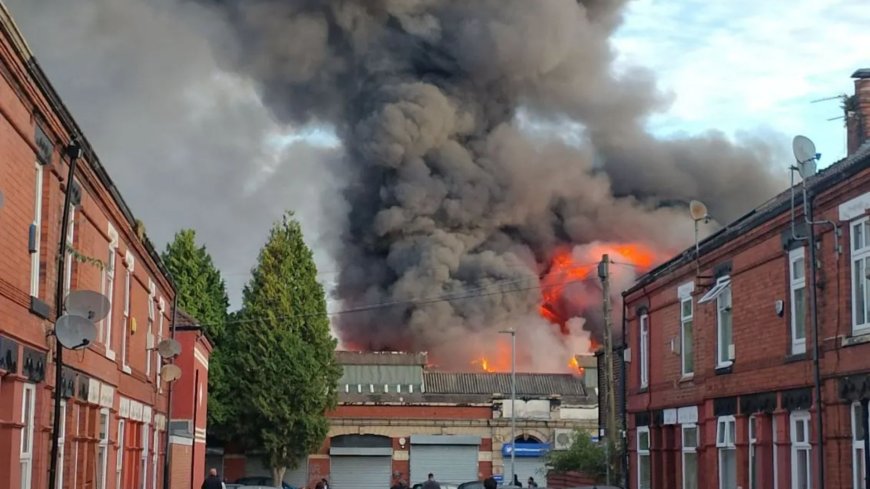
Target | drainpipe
(820,453)
(169,399)
(626,480)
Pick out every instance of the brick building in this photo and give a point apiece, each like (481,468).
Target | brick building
(395,416)
(721,385)
(114,407)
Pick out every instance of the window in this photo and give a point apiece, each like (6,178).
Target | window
(61,435)
(860,283)
(77,412)
(644,470)
(858,435)
(129,263)
(801,470)
(687,353)
(644,351)
(109,291)
(753,452)
(154,457)
(26,453)
(149,335)
(797,294)
(144,459)
(103,449)
(690,456)
(725,435)
(161,309)
(70,243)
(36,232)
(119,460)
(721,293)
(773,440)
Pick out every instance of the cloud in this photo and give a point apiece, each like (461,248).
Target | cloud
(187,143)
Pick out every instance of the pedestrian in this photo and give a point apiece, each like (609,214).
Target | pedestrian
(431,483)
(325,483)
(516,481)
(532,482)
(213,481)
(490,483)
(319,485)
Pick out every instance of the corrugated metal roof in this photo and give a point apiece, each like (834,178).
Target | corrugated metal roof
(380,358)
(777,205)
(489,383)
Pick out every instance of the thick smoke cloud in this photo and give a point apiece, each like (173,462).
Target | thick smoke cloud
(448,197)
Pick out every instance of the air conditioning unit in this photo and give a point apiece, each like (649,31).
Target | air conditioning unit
(563,439)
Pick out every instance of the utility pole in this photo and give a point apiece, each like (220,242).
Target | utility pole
(610,420)
(513,334)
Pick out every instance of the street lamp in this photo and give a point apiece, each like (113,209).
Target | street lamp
(513,334)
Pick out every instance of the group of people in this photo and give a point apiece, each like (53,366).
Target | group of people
(516,482)
(431,483)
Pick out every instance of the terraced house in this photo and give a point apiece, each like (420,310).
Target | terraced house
(723,388)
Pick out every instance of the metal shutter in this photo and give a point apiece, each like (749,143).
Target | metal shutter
(453,464)
(526,467)
(359,472)
(297,477)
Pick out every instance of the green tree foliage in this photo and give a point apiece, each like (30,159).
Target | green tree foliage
(202,294)
(584,456)
(286,372)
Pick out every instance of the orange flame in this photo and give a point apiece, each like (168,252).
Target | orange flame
(575,365)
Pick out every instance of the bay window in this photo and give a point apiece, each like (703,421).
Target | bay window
(690,456)
(801,470)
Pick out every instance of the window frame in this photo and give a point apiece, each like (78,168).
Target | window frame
(149,335)
(143,459)
(119,457)
(60,445)
(727,426)
(752,449)
(857,446)
(857,254)
(103,444)
(109,291)
(687,450)
(69,246)
(25,449)
(721,310)
(155,456)
(799,446)
(129,266)
(643,453)
(36,255)
(798,345)
(643,329)
(687,323)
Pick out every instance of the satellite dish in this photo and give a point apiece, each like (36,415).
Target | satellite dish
(74,332)
(170,372)
(698,210)
(168,348)
(804,149)
(88,304)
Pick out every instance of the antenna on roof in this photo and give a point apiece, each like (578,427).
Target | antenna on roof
(699,213)
(805,165)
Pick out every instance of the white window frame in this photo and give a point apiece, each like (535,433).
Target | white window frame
(860,253)
(752,428)
(70,240)
(687,349)
(726,428)
(144,458)
(25,453)
(857,446)
(37,224)
(643,453)
(119,458)
(643,323)
(155,456)
(129,265)
(161,308)
(724,303)
(796,256)
(60,445)
(109,291)
(149,335)
(103,459)
(687,449)
(798,446)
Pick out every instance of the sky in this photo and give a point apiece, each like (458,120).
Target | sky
(191,145)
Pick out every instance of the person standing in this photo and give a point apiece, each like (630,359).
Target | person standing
(431,483)
(490,483)
(532,482)
(213,481)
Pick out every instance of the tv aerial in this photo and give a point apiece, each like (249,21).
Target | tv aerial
(698,211)
(168,348)
(170,372)
(88,304)
(74,332)
(806,156)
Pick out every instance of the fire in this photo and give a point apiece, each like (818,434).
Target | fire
(484,364)
(575,365)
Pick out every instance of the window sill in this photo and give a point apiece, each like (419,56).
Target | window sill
(724,368)
(126,369)
(687,377)
(40,308)
(110,354)
(859,338)
(796,357)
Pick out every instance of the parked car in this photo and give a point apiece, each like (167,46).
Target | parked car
(260,480)
(442,484)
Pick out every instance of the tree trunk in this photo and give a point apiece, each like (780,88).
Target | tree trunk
(278,476)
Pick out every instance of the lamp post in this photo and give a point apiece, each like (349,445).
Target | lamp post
(513,334)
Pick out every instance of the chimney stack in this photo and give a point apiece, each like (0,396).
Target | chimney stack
(857,109)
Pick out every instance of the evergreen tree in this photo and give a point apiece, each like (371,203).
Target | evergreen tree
(286,372)
(202,294)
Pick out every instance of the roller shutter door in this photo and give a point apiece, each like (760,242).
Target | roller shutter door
(297,477)
(453,464)
(359,472)
(527,467)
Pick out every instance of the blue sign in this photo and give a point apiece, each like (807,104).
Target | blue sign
(498,478)
(525,449)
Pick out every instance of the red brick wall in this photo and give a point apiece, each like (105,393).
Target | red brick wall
(179,470)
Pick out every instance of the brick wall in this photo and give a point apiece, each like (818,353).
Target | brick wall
(179,470)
